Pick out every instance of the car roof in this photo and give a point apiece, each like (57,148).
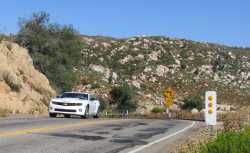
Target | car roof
(77,92)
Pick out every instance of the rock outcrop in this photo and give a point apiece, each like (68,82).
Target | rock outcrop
(23,89)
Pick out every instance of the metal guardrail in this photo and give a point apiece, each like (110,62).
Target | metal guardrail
(177,115)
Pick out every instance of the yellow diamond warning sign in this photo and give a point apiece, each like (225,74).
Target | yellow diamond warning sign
(168,97)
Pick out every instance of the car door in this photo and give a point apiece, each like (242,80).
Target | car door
(92,105)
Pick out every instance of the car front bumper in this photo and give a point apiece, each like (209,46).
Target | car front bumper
(71,110)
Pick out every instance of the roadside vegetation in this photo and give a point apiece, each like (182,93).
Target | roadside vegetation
(229,142)
(123,97)
(191,103)
(55,49)
(157,110)
(233,136)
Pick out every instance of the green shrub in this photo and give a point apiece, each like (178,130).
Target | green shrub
(4,37)
(95,85)
(123,97)
(103,104)
(229,142)
(55,49)
(191,103)
(157,110)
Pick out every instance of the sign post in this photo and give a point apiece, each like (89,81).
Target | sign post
(168,95)
(210,108)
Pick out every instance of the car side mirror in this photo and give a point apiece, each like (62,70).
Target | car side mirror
(58,96)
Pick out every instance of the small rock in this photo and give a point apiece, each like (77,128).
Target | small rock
(194,111)
(97,68)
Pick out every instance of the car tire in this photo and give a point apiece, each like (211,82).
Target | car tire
(97,114)
(86,114)
(53,115)
(67,115)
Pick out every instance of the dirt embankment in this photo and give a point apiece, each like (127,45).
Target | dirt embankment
(23,89)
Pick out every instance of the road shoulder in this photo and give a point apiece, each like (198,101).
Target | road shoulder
(171,142)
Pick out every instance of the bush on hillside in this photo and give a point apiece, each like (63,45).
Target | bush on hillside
(191,103)
(4,37)
(157,110)
(123,97)
(103,104)
(55,49)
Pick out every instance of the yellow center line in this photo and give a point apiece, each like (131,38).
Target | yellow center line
(55,127)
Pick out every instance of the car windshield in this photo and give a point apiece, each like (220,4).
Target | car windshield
(75,95)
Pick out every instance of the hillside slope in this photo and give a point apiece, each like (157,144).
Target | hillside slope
(151,64)
(23,89)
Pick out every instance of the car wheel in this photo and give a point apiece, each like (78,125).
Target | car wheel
(67,115)
(52,115)
(97,114)
(86,114)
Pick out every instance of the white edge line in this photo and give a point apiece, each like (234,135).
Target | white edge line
(162,139)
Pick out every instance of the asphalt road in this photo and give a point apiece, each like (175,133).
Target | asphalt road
(61,135)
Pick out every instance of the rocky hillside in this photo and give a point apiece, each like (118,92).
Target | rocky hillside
(23,89)
(151,64)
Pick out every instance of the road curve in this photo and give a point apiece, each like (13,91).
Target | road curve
(61,135)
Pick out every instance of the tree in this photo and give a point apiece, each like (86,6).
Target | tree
(55,49)
(123,97)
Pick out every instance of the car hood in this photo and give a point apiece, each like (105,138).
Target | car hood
(69,100)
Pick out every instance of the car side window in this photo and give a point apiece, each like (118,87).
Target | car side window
(83,96)
(92,98)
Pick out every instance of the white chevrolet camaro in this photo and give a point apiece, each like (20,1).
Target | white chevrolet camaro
(74,103)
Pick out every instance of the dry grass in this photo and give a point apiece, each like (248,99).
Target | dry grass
(39,108)
(12,80)
(234,121)
(4,112)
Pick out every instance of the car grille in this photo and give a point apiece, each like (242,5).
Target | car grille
(65,110)
(67,104)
